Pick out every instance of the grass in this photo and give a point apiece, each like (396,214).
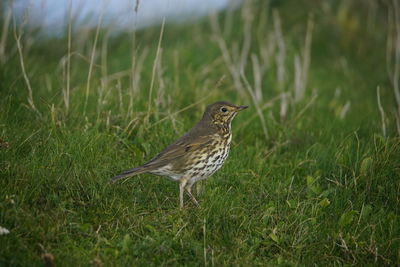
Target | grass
(310,180)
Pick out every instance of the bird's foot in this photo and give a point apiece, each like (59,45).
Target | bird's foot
(192,197)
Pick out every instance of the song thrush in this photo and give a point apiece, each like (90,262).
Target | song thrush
(196,155)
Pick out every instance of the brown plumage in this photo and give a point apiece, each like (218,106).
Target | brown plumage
(197,154)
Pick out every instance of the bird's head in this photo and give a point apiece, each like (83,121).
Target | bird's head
(222,113)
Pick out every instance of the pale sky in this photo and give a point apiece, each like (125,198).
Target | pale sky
(52,15)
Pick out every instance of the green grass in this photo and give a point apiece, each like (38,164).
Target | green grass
(320,187)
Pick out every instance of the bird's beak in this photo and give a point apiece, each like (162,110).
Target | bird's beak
(239,108)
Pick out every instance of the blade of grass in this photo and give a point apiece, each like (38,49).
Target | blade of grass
(153,73)
(93,54)
(18,37)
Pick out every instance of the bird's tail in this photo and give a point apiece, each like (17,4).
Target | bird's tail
(129,173)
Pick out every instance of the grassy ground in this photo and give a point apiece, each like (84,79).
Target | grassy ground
(312,178)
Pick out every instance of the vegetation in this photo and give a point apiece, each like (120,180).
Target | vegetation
(313,176)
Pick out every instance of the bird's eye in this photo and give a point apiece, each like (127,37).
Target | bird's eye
(224,109)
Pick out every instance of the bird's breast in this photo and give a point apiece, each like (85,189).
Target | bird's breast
(210,158)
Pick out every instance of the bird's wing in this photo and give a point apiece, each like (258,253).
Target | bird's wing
(178,149)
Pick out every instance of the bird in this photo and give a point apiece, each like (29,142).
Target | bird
(197,154)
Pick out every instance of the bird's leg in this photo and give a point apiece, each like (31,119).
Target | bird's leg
(189,190)
(181,189)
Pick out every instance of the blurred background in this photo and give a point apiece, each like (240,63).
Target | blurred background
(90,88)
(52,17)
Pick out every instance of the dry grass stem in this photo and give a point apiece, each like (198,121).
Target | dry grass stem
(247,18)
(301,70)
(284,105)
(153,73)
(181,110)
(92,58)
(344,110)
(257,75)
(104,56)
(266,105)
(18,37)
(135,78)
(281,54)
(256,105)
(233,69)
(161,95)
(309,104)
(381,111)
(66,90)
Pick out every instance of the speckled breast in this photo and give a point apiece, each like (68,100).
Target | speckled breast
(211,158)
